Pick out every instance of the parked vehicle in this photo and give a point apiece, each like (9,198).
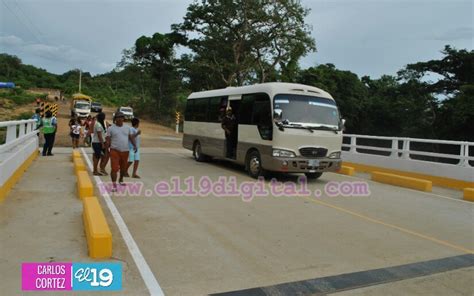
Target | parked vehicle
(127,111)
(81,105)
(96,107)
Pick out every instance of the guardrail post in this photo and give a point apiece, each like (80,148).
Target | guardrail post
(394,152)
(406,149)
(11,133)
(29,127)
(352,144)
(464,155)
(21,129)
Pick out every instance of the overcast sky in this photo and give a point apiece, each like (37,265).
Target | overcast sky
(368,37)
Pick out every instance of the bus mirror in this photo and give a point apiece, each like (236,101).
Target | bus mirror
(343,124)
(277,114)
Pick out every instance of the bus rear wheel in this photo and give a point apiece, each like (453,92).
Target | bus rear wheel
(197,152)
(313,176)
(254,165)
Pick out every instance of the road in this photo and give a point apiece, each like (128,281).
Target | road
(377,239)
(152,132)
(212,244)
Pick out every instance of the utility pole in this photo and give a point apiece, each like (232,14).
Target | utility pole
(80,80)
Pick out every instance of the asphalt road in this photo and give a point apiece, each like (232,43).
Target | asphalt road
(213,244)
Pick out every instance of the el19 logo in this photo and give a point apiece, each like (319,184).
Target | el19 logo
(90,275)
(97,276)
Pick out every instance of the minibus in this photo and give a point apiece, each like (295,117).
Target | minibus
(279,127)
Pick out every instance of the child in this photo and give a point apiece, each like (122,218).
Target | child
(75,134)
(134,155)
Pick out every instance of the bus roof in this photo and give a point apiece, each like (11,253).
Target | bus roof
(269,87)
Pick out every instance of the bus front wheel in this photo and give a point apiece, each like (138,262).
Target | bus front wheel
(254,165)
(313,176)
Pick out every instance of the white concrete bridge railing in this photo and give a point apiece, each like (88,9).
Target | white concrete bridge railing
(20,145)
(445,159)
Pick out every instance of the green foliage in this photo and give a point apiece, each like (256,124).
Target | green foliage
(25,76)
(241,42)
(19,96)
(226,52)
(24,115)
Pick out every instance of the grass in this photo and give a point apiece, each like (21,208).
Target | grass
(24,115)
(20,97)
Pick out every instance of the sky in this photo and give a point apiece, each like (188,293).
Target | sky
(367,37)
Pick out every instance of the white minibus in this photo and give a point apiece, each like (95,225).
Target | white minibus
(282,127)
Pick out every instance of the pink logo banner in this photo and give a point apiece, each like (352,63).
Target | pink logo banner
(53,276)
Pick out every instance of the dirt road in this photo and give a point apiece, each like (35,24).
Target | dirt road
(153,135)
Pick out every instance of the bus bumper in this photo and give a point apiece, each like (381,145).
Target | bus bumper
(302,165)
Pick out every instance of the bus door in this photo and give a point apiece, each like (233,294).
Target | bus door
(232,140)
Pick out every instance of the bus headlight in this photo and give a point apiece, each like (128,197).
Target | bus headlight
(283,153)
(335,155)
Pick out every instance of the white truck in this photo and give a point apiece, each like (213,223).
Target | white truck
(81,105)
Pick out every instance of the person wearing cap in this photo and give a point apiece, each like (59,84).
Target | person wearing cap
(229,125)
(118,137)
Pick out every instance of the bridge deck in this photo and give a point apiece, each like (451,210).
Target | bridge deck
(204,245)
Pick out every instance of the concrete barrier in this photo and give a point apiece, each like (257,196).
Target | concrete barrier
(84,185)
(75,154)
(408,182)
(468,194)
(16,175)
(99,237)
(346,170)
(79,165)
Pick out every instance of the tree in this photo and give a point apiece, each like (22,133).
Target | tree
(455,68)
(156,53)
(346,88)
(244,41)
(453,115)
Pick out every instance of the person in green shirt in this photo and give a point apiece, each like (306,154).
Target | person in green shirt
(48,128)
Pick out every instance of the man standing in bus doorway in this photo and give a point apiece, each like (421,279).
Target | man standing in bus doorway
(229,124)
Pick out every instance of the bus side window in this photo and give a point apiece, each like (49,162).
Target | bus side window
(201,108)
(262,116)
(255,109)
(246,108)
(189,112)
(214,112)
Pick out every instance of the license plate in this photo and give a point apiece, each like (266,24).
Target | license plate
(313,162)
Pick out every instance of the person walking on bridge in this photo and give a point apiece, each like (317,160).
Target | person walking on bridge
(48,127)
(134,154)
(118,137)
(99,145)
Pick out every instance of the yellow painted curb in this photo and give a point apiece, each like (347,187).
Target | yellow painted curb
(79,165)
(469,194)
(402,181)
(75,154)
(99,237)
(437,181)
(84,185)
(8,185)
(346,170)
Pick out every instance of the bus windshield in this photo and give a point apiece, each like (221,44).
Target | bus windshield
(307,110)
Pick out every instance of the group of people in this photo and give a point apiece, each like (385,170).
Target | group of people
(81,129)
(118,142)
